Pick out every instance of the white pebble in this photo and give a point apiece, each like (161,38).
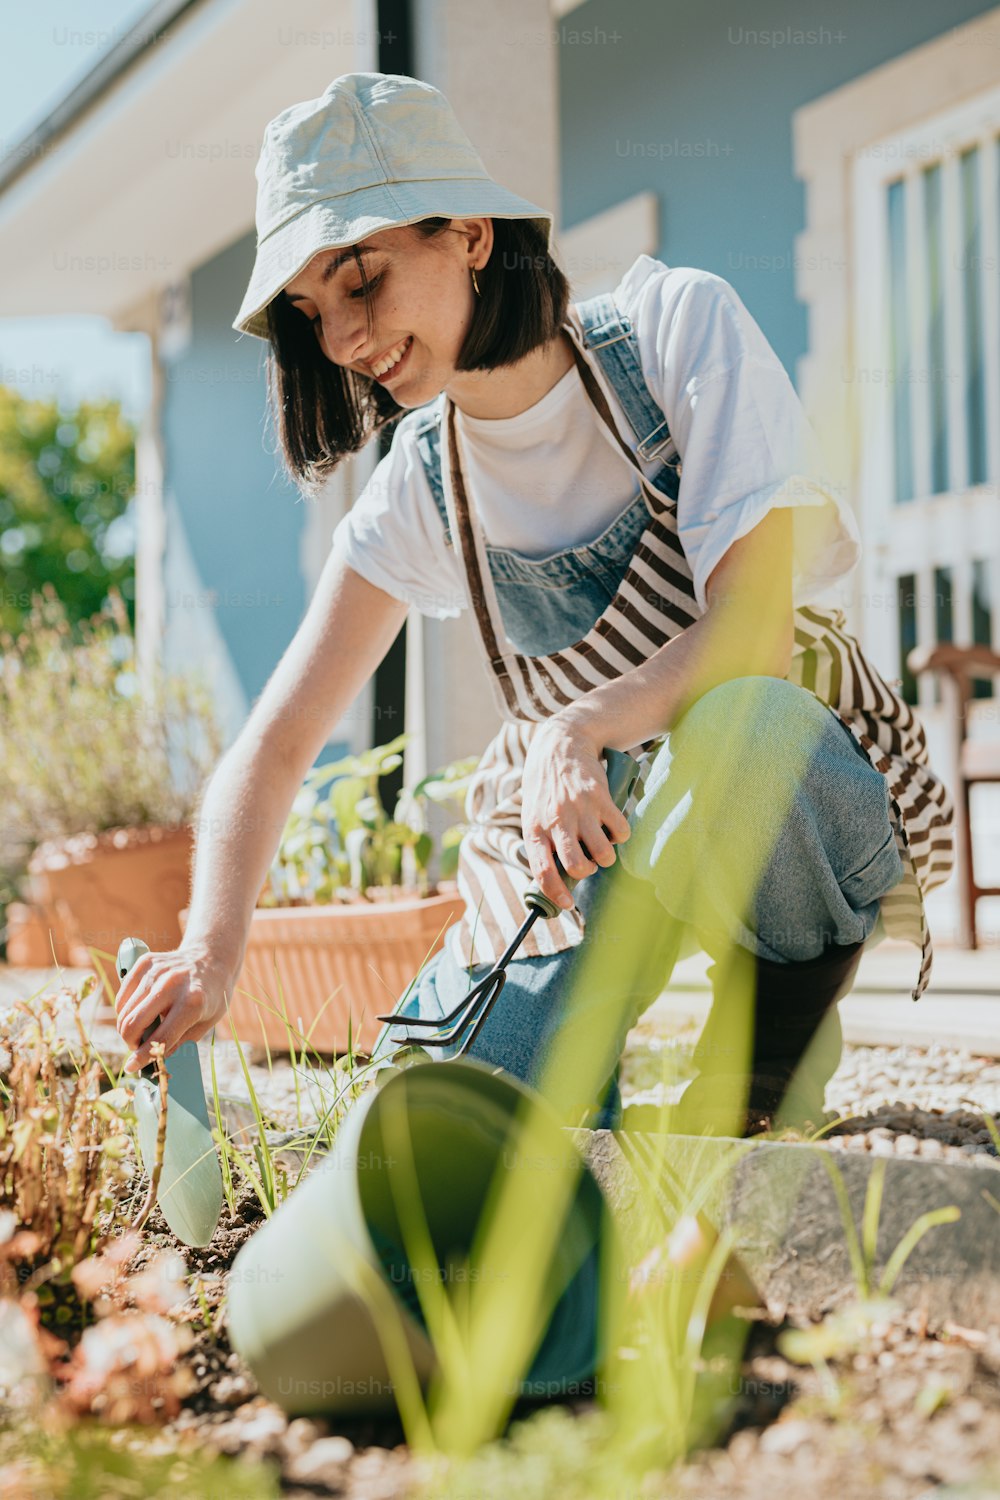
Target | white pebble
(326,1456)
(784,1437)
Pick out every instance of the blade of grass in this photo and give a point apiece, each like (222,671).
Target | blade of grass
(911,1239)
(870,1218)
(220,1134)
(847,1219)
(267,1165)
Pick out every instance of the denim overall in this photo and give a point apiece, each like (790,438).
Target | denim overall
(834,859)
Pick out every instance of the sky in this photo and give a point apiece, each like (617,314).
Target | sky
(48,46)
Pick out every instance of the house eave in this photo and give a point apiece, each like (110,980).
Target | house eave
(146,169)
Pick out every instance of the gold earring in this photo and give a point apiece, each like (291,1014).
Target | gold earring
(475,283)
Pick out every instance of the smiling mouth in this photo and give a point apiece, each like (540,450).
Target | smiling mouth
(384,368)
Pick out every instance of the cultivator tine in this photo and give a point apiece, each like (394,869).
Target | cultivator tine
(473,1008)
(622,771)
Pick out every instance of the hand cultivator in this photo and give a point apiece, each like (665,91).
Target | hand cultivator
(472,1012)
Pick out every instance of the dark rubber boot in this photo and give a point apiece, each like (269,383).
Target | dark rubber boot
(792,1044)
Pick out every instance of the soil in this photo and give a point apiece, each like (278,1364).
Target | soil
(912,1410)
(225,1412)
(879,1437)
(907,1410)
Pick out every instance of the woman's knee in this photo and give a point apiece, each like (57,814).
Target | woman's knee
(752,733)
(764,745)
(748,705)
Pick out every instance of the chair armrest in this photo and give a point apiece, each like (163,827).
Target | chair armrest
(960,662)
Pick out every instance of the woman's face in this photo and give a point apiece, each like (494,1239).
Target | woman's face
(421,306)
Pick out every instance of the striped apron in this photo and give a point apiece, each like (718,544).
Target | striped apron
(654,602)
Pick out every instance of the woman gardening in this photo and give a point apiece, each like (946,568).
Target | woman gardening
(616,494)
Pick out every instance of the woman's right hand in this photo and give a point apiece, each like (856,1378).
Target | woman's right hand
(185,988)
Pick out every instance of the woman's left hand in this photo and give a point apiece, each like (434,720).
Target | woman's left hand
(567,808)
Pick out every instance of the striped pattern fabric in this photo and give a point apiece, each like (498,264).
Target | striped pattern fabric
(655,602)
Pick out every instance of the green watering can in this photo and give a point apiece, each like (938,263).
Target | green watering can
(311,1292)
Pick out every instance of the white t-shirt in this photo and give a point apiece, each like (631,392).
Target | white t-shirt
(548,478)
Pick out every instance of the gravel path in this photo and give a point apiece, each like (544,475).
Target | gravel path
(905,1100)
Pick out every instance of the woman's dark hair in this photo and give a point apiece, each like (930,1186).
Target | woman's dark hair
(323,411)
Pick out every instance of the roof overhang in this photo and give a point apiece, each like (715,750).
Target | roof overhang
(147,168)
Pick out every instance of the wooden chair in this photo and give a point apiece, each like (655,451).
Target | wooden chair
(975,761)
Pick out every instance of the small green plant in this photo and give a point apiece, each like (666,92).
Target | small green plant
(256,1160)
(89,743)
(65,1168)
(862,1251)
(846,1330)
(339,840)
(840,1332)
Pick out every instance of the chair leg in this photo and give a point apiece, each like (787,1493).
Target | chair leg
(970,935)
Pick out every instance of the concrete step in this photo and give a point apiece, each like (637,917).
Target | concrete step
(890,967)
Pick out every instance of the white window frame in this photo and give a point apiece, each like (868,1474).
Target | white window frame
(833,137)
(951,528)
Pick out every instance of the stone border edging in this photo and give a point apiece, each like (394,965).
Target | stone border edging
(789,1230)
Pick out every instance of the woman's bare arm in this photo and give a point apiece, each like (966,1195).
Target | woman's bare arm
(347,630)
(747,630)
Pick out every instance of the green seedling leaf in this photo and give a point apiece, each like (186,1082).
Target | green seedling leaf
(344,798)
(423,848)
(872,1211)
(369,811)
(911,1239)
(854,1250)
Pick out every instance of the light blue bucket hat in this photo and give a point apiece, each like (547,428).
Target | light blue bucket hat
(374,151)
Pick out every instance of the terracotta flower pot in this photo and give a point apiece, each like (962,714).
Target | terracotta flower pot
(126,882)
(337,966)
(36,938)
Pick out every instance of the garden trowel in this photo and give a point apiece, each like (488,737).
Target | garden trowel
(190,1189)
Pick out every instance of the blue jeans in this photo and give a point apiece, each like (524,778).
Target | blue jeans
(762,824)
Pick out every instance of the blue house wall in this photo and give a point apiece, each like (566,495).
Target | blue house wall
(694,102)
(239,512)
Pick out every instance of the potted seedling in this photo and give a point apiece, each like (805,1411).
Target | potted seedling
(349,912)
(101,771)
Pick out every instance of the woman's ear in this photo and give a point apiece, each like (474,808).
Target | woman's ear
(479,239)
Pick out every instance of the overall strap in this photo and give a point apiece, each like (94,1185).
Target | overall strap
(428,444)
(609,335)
